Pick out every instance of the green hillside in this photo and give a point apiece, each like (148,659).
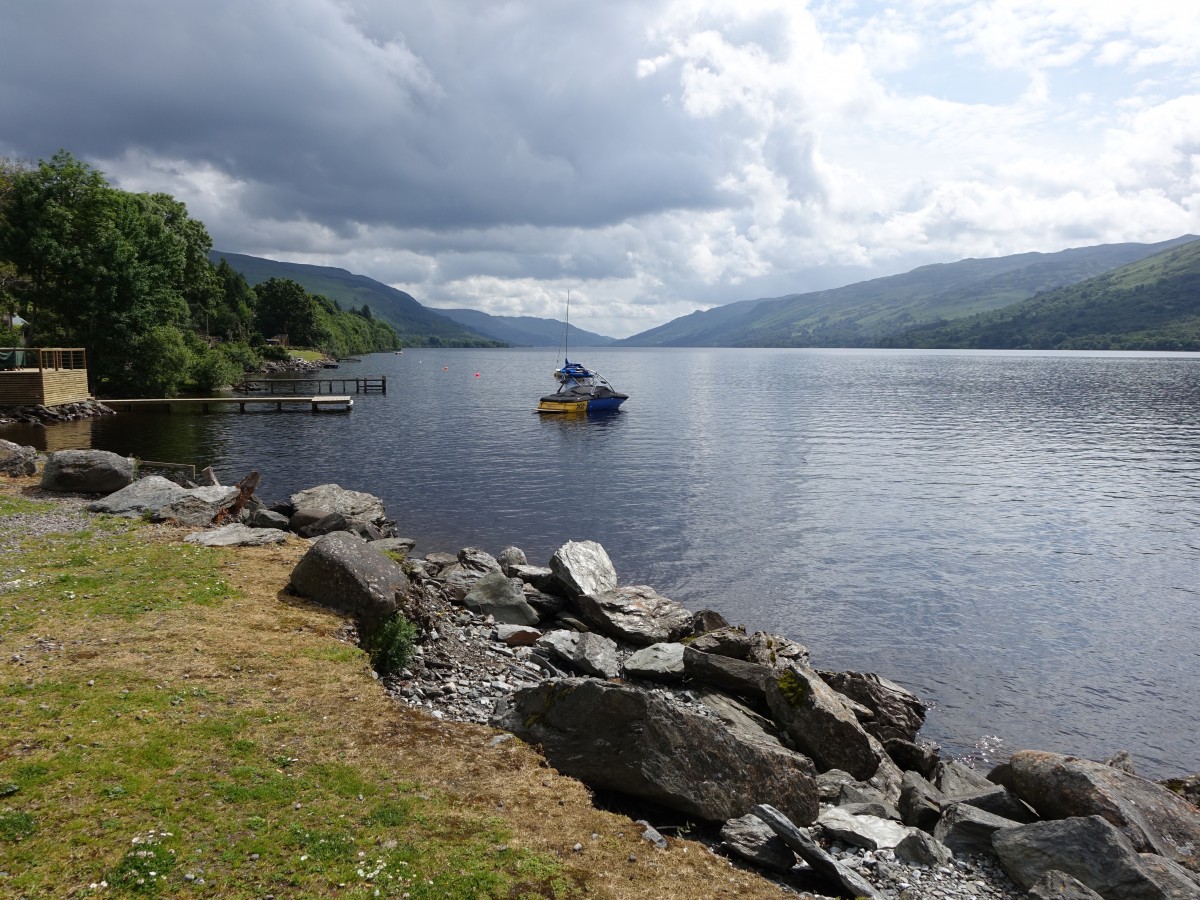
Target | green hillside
(1152,304)
(860,315)
(524,331)
(416,325)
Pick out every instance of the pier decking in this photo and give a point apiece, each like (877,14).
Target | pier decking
(370,384)
(342,403)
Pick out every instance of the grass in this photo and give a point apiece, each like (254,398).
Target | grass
(173,725)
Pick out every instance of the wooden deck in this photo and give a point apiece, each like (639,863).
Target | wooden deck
(370,384)
(330,402)
(48,376)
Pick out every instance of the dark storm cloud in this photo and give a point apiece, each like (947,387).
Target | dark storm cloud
(421,119)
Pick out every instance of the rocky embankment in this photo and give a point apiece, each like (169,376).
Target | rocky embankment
(818,778)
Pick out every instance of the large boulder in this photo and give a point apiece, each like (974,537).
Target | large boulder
(583,567)
(86,472)
(620,738)
(894,711)
(356,506)
(635,614)
(497,596)
(820,723)
(17,460)
(164,500)
(732,642)
(1153,818)
(344,572)
(967,829)
(658,662)
(1095,852)
(468,567)
(868,832)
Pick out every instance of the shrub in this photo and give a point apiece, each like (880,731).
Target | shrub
(391,647)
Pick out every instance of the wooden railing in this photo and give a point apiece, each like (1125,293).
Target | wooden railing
(43,358)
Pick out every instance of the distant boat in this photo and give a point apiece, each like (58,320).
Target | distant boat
(580,390)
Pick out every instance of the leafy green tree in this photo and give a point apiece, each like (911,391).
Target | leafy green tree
(121,274)
(233,320)
(284,307)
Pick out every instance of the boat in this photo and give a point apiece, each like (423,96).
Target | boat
(580,390)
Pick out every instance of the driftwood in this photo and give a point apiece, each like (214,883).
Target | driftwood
(246,488)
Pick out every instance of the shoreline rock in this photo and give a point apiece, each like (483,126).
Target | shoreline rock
(724,727)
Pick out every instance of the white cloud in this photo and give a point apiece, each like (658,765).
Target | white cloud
(652,157)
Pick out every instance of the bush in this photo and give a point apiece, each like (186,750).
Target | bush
(391,647)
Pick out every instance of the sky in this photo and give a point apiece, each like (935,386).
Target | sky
(651,157)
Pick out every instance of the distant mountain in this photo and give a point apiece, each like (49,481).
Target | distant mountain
(525,331)
(417,325)
(859,315)
(1152,304)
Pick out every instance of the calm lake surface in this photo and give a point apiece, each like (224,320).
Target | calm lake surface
(1013,536)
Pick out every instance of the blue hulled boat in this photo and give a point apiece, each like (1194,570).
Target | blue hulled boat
(580,390)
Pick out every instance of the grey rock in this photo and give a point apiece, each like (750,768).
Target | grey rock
(1121,760)
(1152,817)
(894,711)
(17,460)
(478,560)
(511,557)
(913,756)
(637,742)
(197,507)
(732,642)
(751,839)
(583,567)
(1000,801)
(86,472)
(327,524)
(812,853)
(517,635)
(344,572)
(592,654)
(743,720)
(651,835)
(775,651)
(819,722)
(1055,885)
(955,778)
(306,517)
(636,614)
(145,494)
(705,620)
(920,802)
(402,545)
(1092,850)
(658,662)
(738,676)
(966,829)
(496,595)
(830,783)
(238,535)
(266,518)
(921,849)
(547,605)
(356,506)
(540,577)
(868,832)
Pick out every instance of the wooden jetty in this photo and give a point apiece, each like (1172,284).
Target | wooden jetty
(370,384)
(344,403)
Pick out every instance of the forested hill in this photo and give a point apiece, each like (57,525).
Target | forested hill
(860,315)
(1153,304)
(416,325)
(525,331)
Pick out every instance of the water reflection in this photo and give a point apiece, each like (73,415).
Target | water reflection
(1011,535)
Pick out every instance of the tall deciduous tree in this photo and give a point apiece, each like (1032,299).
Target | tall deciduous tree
(109,270)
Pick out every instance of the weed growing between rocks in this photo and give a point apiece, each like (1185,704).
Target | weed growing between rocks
(392,645)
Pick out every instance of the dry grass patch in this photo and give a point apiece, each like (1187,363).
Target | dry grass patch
(173,724)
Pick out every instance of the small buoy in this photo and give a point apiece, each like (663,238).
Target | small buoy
(445,368)
(476,374)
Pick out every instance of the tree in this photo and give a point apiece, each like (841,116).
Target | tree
(109,270)
(284,307)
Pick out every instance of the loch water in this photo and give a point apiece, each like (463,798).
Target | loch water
(1015,536)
